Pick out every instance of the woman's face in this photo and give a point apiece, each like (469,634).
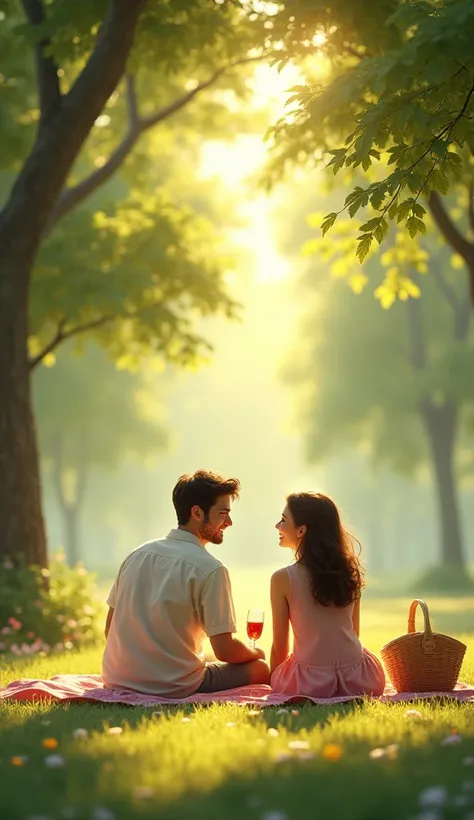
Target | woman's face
(289,535)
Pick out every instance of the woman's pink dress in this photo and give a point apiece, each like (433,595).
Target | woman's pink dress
(328,659)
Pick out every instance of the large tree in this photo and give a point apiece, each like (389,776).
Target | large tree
(86,56)
(392,101)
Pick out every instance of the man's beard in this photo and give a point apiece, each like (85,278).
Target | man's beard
(211,533)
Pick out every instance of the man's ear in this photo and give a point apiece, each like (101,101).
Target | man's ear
(196,513)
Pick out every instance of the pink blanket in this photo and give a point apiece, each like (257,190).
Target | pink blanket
(90,688)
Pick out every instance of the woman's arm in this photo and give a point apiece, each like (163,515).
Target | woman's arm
(356,617)
(279,593)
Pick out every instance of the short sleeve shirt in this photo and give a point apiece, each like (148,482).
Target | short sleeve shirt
(168,595)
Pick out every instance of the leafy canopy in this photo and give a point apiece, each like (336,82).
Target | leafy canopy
(398,101)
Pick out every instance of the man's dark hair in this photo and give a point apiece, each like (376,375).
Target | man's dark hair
(201,489)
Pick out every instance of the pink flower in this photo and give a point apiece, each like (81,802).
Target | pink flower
(14,623)
(6,630)
(30,635)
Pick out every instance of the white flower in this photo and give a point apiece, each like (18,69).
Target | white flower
(282,711)
(45,722)
(54,761)
(412,713)
(273,732)
(298,744)
(186,720)
(468,761)
(433,797)
(102,813)
(274,815)
(115,730)
(78,733)
(306,756)
(230,724)
(375,754)
(451,740)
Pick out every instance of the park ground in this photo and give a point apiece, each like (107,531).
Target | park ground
(223,762)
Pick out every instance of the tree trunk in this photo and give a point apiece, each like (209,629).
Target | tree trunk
(22,533)
(23,220)
(441,428)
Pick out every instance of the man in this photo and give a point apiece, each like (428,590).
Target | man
(169,594)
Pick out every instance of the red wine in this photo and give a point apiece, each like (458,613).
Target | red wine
(254,630)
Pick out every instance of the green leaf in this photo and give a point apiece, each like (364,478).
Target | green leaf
(328,222)
(363,247)
(381,231)
(439,148)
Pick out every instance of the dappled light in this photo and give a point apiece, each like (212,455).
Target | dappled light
(237,247)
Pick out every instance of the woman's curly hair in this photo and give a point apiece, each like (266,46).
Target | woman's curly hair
(326,550)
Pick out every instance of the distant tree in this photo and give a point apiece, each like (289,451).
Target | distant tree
(397,383)
(91,415)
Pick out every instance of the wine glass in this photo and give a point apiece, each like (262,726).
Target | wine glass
(255,618)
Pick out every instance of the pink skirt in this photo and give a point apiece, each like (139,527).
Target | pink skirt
(366,677)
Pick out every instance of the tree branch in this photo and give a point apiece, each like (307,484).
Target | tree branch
(62,335)
(46,69)
(449,230)
(71,197)
(44,174)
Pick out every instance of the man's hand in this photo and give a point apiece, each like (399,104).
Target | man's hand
(230,650)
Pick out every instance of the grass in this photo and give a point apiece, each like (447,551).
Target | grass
(223,763)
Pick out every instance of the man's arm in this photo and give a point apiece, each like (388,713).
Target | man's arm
(231,650)
(279,591)
(110,615)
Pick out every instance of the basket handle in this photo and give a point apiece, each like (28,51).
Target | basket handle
(428,642)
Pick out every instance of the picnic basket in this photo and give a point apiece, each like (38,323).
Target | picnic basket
(423,661)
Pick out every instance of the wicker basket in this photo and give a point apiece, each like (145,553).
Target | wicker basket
(423,661)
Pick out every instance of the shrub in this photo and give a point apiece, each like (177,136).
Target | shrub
(47,610)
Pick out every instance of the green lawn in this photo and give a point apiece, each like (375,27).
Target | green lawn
(223,763)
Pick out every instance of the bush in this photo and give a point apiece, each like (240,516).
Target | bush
(444,580)
(42,611)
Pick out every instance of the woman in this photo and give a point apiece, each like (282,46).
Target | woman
(320,595)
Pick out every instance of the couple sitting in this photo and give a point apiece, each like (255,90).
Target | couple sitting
(170,593)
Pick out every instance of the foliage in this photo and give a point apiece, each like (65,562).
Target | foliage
(137,264)
(43,611)
(397,104)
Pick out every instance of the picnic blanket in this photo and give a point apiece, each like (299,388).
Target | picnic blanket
(89,688)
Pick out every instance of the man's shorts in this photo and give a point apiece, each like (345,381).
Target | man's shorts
(220,676)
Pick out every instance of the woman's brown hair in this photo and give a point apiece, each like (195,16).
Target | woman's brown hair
(327,550)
